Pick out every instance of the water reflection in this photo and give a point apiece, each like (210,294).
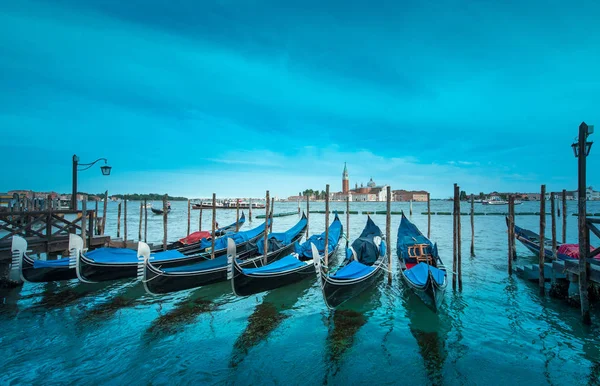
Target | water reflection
(204,300)
(267,316)
(430,330)
(344,323)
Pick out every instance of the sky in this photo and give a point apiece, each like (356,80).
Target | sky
(237,97)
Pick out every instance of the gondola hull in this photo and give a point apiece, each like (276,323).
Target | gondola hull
(336,292)
(157,281)
(91,271)
(432,294)
(43,275)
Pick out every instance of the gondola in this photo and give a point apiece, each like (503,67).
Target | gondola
(363,266)
(28,269)
(163,280)
(422,269)
(200,240)
(160,211)
(531,241)
(292,268)
(119,263)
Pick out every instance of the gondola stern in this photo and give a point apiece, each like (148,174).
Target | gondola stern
(18,249)
(76,257)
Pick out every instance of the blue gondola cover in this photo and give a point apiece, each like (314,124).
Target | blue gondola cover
(353,270)
(419,274)
(287,263)
(335,229)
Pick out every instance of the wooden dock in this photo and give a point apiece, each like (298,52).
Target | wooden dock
(47,231)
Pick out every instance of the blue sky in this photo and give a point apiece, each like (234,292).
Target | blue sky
(236,97)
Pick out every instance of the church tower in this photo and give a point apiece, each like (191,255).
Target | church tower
(345,180)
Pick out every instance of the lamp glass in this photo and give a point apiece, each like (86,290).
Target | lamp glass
(575,147)
(588,147)
(105,170)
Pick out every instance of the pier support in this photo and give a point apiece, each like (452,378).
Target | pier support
(145,221)
(511,231)
(388,236)
(326,251)
(237,215)
(307,215)
(472,226)
(119,219)
(581,152)
(266,236)
(542,254)
(454,240)
(428,215)
(104,211)
(214,225)
(189,223)
(564,220)
(165,208)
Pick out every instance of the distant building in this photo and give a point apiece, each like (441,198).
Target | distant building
(345,180)
(408,195)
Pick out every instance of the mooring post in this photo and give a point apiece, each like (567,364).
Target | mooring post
(326,251)
(237,214)
(189,217)
(581,224)
(459,239)
(454,241)
(145,220)
(266,236)
(472,225)
(388,234)
(411,206)
(250,211)
(428,215)
(165,208)
(83,222)
(104,212)
(542,237)
(119,220)
(553,214)
(307,214)
(96,222)
(200,218)
(511,227)
(347,219)
(564,220)
(214,226)
(298,206)
(513,243)
(141,221)
(125,221)
(271,211)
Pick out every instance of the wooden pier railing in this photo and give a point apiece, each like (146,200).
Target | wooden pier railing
(46,231)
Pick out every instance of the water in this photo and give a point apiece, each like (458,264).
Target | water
(497,331)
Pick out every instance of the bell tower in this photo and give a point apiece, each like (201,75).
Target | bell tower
(345,180)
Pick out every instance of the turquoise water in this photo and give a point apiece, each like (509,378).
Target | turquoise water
(497,331)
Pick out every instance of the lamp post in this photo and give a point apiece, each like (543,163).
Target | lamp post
(76,167)
(581,149)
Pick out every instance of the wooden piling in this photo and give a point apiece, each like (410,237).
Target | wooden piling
(553,214)
(347,219)
(96,222)
(237,214)
(266,236)
(104,212)
(214,224)
(83,222)
(250,211)
(326,251)
(454,246)
(298,206)
(459,239)
(200,218)
(119,220)
(165,208)
(307,215)
(271,211)
(472,226)
(145,221)
(125,220)
(542,237)
(428,215)
(141,220)
(511,228)
(388,235)
(189,217)
(411,207)
(564,220)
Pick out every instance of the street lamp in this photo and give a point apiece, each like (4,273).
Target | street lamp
(76,168)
